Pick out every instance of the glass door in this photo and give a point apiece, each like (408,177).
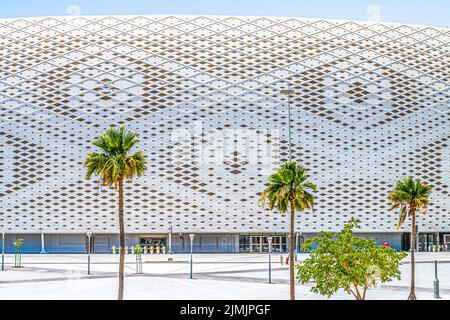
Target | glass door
(260,244)
(244,243)
(255,244)
(153,245)
(446,242)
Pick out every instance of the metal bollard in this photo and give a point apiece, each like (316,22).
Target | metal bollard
(436,281)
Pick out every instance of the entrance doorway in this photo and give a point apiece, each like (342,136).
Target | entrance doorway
(260,244)
(406,242)
(153,245)
(426,242)
(434,242)
(446,242)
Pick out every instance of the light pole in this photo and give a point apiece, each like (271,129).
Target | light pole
(289,93)
(296,246)
(3,251)
(416,247)
(170,240)
(191,236)
(89,234)
(269,239)
(436,281)
(43,251)
(288,238)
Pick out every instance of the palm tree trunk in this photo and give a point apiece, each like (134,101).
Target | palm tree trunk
(291,249)
(122,241)
(412,295)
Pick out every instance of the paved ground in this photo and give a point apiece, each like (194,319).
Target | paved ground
(230,276)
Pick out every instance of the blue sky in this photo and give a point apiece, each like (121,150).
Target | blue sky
(428,12)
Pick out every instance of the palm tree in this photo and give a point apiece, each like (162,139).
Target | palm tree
(410,196)
(288,189)
(113,165)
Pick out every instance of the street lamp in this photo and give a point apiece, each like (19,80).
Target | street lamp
(269,239)
(296,246)
(191,236)
(3,251)
(89,234)
(170,240)
(436,281)
(289,93)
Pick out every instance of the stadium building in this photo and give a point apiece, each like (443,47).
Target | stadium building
(370,105)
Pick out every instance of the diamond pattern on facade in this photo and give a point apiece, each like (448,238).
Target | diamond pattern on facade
(372,105)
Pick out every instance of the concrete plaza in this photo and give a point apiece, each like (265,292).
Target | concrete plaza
(224,277)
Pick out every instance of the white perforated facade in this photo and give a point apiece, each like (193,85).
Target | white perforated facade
(371,106)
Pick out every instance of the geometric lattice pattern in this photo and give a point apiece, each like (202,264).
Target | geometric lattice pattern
(371,106)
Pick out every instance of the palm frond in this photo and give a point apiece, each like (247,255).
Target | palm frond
(113,163)
(409,196)
(289,181)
